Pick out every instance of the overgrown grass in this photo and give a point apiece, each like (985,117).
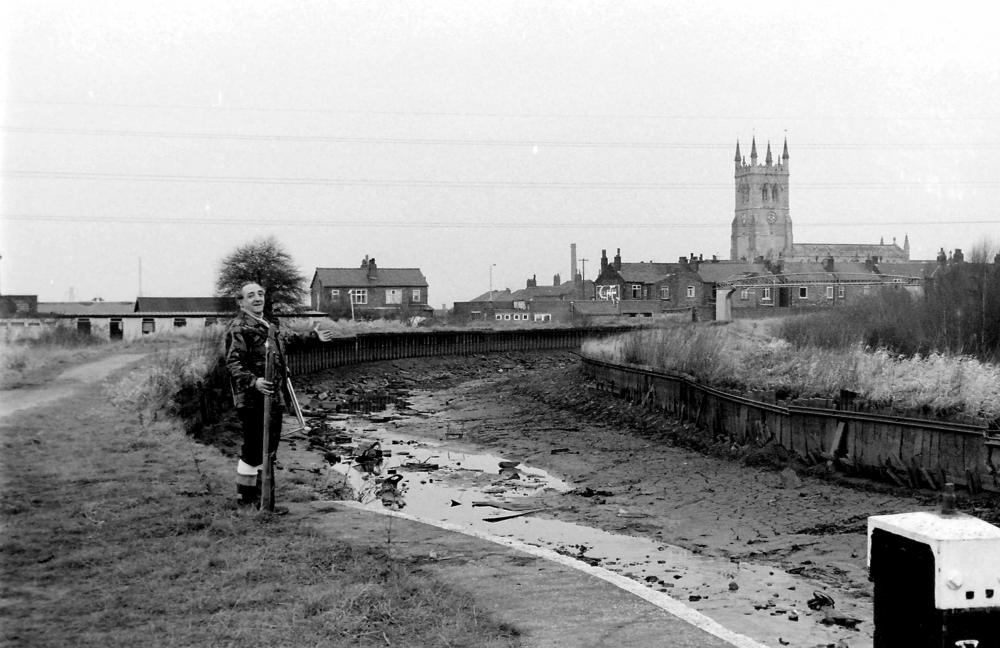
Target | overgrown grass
(30,361)
(731,357)
(118,532)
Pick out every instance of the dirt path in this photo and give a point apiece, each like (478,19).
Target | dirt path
(66,384)
(632,479)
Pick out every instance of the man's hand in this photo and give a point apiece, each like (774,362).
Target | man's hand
(265,387)
(324,336)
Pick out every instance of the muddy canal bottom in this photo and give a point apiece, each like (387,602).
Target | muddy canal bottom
(387,466)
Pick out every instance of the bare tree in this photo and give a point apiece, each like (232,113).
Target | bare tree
(263,261)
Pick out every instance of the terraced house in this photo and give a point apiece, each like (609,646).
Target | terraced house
(370,292)
(649,289)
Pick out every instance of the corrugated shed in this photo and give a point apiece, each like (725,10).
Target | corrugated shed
(86,309)
(186,305)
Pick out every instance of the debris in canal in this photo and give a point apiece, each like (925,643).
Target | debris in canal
(501,518)
(820,601)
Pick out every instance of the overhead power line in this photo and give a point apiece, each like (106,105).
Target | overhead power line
(218,107)
(436,224)
(435,141)
(463,184)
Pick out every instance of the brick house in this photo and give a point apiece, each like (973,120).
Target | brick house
(649,289)
(370,292)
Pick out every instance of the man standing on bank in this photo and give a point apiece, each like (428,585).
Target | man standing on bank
(246,356)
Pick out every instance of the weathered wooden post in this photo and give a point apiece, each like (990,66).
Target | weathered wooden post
(267,469)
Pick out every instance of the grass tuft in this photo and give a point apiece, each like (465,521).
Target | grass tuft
(733,357)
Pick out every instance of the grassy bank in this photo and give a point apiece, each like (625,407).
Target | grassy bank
(738,358)
(117,533)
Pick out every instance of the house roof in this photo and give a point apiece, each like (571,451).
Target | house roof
(921,269)
(498,296)
(350,277)
(648,272)
(728,270)
(86,309)
(567,289)
(186,305)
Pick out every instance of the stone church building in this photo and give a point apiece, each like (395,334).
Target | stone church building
(762,224)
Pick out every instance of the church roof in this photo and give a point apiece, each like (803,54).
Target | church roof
(852,251)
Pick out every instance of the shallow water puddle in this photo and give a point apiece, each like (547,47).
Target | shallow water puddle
(499,495)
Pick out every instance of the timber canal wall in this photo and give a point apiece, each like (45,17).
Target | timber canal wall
(311,356)
(912,452)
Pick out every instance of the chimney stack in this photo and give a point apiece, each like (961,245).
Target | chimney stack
(555,280)
(572,261)
(618,259)
(372,269)
(604,261)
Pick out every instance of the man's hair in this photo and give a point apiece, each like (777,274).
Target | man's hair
(239,293)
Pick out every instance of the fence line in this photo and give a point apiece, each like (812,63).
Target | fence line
(311,356)
(908,451)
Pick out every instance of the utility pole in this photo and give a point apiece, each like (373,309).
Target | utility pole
(583,278)
(492,265)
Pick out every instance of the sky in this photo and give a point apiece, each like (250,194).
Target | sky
(476,140)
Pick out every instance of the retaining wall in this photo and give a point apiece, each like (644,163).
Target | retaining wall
(908,451)
(310,356)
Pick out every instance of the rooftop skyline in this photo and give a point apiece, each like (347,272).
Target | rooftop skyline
(451,136)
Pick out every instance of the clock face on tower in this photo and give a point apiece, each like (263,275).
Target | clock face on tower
(771,217)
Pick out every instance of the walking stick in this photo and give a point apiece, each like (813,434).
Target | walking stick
(267,470)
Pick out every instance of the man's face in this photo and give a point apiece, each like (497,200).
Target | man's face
(252,299)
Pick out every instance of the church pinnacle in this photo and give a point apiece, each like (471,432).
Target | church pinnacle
(753,151)
(738,157)
(767,158)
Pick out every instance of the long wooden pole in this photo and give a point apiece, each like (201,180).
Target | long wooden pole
(267,469)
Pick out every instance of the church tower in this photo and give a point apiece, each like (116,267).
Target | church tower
(762,226)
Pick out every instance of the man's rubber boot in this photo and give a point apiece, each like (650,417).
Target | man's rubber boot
(249,495)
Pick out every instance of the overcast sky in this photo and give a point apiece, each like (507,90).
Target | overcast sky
(451,136)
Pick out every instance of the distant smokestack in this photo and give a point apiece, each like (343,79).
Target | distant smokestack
(572,260)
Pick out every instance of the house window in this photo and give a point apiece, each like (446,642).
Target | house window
(803,292)
(840,292)
(690,291)
(506,316)
(415,296)
(83,325)
(393,295)
(499,317)
(359,295)
(745,294)
(180,322)
(543,317)
(335,293)
(517,317)
(829,292)
(636,291)
(664,292)
(765,293)
(148,325)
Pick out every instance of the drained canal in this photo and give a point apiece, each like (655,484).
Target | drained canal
(402,454)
